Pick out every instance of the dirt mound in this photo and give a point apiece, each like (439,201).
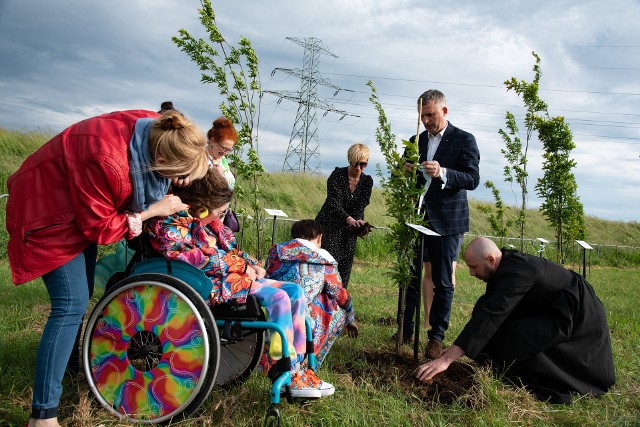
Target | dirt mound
(392,369)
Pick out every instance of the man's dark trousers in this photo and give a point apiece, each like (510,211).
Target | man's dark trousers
(442,252)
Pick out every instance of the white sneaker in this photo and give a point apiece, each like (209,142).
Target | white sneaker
(323,387)
(301,389)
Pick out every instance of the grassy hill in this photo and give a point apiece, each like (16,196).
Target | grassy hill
(301,196)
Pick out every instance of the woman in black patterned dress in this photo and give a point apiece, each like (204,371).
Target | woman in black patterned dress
(348,193)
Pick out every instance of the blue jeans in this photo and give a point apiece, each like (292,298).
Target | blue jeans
(69,288)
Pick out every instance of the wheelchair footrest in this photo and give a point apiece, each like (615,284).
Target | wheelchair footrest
(280,367)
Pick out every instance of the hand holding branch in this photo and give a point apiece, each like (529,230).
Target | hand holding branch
(432,168)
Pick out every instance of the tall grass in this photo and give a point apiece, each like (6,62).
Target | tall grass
(15,146)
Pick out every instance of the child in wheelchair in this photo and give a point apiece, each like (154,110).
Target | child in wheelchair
(197,236)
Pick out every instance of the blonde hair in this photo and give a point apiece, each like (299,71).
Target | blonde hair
(180,144)
(357,153)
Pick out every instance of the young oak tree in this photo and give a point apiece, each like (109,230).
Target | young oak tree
(561,207)
(515,152)
(401,194)
(558,187)
(234,70)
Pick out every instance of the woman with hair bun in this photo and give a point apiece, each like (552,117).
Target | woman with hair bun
(222,138)
(92,184)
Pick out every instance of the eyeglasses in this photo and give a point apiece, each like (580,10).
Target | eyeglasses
(360,164)
(222,147)
(221,214)
(205,213)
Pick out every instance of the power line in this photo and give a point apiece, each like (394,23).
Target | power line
(450,43)
(505,106)
(528,66)
(303,150)
(568,119)
(480,85)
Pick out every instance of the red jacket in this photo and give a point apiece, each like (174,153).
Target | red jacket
(71,192)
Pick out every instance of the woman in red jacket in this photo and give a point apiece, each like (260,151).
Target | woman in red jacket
(92,184)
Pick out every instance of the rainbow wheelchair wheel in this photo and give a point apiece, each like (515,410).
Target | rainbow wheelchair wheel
(151,349)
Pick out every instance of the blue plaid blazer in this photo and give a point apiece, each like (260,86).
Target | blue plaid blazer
(448,208)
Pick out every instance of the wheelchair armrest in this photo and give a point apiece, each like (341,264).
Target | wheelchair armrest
(189,274)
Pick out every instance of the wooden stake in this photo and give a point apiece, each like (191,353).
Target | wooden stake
(419,120)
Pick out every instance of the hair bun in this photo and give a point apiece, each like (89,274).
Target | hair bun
(222,122)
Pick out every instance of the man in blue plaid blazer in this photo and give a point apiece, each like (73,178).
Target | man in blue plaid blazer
(449,166)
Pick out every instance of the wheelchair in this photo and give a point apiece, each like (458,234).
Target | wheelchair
(153,349)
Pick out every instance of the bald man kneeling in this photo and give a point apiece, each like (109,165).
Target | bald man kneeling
(538,323)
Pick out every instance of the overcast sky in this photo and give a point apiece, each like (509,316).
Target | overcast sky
(66,60)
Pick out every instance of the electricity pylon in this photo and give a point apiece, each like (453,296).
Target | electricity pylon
(302,153)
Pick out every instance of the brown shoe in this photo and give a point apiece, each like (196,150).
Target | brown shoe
(433,349)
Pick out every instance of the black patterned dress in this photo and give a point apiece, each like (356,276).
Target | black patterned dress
(339,205)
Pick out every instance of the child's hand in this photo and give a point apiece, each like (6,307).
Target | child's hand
(218,167)
(352,330)
(260,272)
(251,273)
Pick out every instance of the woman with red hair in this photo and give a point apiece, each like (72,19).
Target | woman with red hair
(222,137)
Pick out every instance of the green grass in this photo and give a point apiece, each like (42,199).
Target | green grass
(367,394)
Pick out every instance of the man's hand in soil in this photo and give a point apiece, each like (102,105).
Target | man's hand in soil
(430,369)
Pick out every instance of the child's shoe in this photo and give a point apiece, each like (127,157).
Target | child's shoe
(323,387)
(300,388)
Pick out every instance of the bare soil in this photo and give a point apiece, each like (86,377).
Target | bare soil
(391,369)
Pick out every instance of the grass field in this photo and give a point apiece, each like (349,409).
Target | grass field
(372,385)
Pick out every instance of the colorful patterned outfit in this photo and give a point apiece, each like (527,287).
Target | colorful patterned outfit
(212,249)
(329,303)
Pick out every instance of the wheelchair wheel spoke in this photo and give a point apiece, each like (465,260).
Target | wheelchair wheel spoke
(145,351)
